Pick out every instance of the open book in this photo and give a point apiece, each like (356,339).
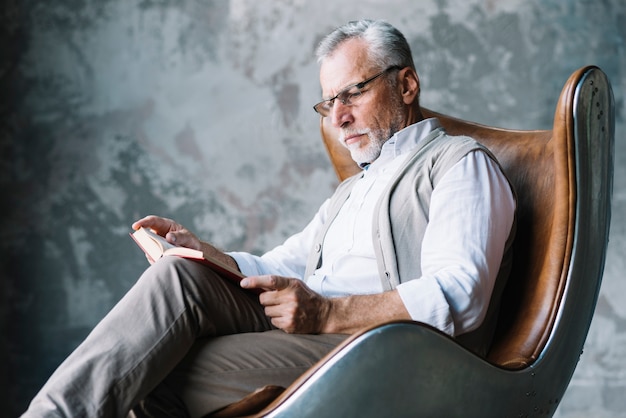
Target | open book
(155,246)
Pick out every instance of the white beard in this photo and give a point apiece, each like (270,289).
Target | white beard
(377,137)
(369,153)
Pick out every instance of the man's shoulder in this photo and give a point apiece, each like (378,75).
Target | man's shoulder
(459,141)
(443,146)
(458,146)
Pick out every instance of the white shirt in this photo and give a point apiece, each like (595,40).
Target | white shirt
(471,214)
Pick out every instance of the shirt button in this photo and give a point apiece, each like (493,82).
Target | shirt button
(318,248)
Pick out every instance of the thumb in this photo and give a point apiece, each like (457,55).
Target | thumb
(183,239)
(175,238)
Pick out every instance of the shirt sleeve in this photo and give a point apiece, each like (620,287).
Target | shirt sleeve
(288,259)
(471,216)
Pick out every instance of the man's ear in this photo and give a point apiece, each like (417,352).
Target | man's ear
(410,83)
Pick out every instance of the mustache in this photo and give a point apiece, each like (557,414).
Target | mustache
(347,133)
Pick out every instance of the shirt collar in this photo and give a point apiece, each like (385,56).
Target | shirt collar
(405,140)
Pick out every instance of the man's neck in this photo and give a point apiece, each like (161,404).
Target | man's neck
(414,114)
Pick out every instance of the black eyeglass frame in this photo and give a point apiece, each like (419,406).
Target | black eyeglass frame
(345,100)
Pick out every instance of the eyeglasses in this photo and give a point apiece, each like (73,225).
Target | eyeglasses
(348,95)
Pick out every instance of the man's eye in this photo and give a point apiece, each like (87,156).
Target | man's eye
(348,96)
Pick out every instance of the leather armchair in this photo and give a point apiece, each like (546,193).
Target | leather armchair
(563,179)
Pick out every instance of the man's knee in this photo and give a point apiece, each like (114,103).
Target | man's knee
(166,266)
(168,271)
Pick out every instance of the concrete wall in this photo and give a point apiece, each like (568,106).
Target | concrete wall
(200,110)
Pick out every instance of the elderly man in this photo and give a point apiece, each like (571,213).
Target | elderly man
(422,233)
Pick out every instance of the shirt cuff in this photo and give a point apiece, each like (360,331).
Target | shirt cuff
(425,302)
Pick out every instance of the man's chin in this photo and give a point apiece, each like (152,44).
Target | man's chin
(362,158)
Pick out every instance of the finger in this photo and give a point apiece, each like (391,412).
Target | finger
(277,318)
(279,282)
(267,282)
(181,238)
(252,282)
(175,238)
(158,224)
(141,223)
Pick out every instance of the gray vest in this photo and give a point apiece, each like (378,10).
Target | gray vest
(401,217)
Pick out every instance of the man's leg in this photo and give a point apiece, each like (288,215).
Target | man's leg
(144,336)
(222,370)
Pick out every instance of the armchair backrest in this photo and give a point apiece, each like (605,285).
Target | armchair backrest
(547,171)
(537,164)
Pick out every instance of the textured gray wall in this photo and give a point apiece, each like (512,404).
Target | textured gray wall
(200,110)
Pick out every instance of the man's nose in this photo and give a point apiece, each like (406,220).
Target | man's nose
(340,114)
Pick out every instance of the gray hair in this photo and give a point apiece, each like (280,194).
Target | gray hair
(387,45)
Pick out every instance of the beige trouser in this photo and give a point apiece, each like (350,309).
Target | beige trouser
(183,339)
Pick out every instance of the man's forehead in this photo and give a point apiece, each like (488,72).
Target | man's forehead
(347,65)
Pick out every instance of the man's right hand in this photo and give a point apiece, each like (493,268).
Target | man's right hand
(173,232)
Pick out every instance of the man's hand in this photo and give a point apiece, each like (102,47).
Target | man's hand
(295,308)
(173,232)
(290,304)
(177,234)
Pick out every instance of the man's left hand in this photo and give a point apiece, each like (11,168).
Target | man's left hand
(290,304)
